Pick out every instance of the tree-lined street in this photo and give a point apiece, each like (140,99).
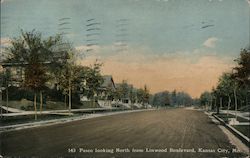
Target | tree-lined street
(157,129)
(124,78)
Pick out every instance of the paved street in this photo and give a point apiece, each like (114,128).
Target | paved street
(163,130)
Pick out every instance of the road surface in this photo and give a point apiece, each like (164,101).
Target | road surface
(160,133)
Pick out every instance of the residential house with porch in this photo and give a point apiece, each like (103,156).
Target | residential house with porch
(106,90)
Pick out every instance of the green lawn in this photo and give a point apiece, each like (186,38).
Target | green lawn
(50,105)
(244,129)
(225,117)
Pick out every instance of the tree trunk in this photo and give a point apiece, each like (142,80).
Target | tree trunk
(7,98)
(69,96)
(220,103)
(211,104)
(246,100)
(69,99)
(41,102)
(1,102)
(235,100)
(93,104)
(35,107)
(65,101)
(217,106)
(246,96)
(228,104)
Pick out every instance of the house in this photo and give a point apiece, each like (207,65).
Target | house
(15,72)
(107,86)
(106,90)
(125,97)
(108,82)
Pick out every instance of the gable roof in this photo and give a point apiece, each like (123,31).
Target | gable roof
(108,82)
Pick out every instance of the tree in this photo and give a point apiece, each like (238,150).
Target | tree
(146,94)
(63,77)
(205,98)
(143,95)
(36,55)
(71,79)
(226,87)
(94,81)
(167,98)
(35,79)
(174,97)
(140,95)
(6,77)
(242,70)
(124,90)
(234,86)
(242,74)
(162,99)
(132,94)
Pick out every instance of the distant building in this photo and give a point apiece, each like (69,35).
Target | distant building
(15,72)
(108,83)
(107,87)
(105,90)
(126,97)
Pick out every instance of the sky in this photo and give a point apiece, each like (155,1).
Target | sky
(165,44)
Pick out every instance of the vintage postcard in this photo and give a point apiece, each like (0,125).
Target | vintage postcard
(125,78)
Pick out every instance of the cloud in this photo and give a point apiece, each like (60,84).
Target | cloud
(5,1)
(210,42)
(248,1)
(5,41)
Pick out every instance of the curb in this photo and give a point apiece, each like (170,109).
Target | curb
(238,134)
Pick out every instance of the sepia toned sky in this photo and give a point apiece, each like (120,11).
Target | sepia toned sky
(166,44)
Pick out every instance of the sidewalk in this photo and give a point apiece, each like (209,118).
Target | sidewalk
(235,137)
(63,120)
(17,112)
(13,110)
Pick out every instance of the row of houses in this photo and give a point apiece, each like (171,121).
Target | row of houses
(108,86)
(16,73)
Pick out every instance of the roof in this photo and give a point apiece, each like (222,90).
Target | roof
(108,82)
